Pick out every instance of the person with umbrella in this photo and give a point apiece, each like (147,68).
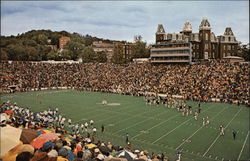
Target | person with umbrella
(42,154)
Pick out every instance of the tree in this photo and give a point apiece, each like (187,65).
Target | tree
(139,49)
(118,57)
(243,51)
(52,55)
(88,55)
(65,55)
(3,55)
(31,54)
(101,57)
(75,49)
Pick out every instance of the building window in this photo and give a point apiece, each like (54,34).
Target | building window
(232,47)
(206,36)
(229,39)
(228,47)
(206,46)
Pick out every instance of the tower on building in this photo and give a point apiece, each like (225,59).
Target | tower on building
(160,34)
(205,39)
(187,28)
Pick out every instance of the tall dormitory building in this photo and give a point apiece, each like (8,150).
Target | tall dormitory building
(203,45)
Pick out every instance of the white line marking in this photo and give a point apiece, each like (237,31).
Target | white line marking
(200,129)
(131,126)
(243,146)
(141,122)
(171,130)
(157,125)
(219,134)
(174,129)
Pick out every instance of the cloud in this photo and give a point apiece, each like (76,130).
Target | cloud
(121,20)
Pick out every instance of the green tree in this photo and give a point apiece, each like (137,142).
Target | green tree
(31,54)
(101,57)
(3,55)
(65,55)
(16,52)
(88,55)
(75,49)
(139,49)
(52,55)
(243,51)
(41,39)
(118,56)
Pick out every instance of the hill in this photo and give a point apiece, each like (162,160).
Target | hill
(37,45)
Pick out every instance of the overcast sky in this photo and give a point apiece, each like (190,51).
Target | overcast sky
(123,19)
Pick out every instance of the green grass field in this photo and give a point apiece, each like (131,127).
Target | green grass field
(155,128)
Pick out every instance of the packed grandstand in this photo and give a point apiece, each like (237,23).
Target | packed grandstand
(207,81)
(204,81)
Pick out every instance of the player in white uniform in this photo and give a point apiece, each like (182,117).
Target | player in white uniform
(222,130)
(104,102)
(207,120)
(196,115)
(203,121)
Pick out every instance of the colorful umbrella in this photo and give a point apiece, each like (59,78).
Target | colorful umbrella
(43,138)
(28,135)
(9,138)
(126,154)
(9,112)
(69,139)
(38,143)
(91,146)
(44,131)
(48,136)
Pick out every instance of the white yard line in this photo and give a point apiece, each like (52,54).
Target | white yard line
(243,146)
(171,130)
(131,126)
(200,129)
(156,125)
(174,129)
(141,122)
(219,134)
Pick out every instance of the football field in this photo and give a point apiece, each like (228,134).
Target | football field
(157,129)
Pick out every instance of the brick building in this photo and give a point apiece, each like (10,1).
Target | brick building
(63,41)
(204,44)
(100,46)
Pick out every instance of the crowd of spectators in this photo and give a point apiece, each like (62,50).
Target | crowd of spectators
(60,149)
(205,81)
